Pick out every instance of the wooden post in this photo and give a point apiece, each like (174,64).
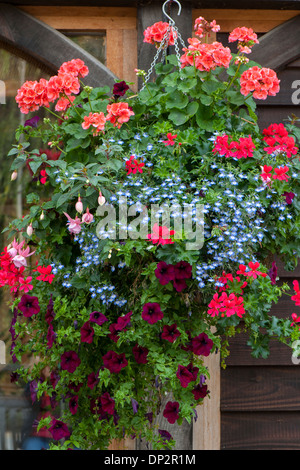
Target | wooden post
(207,428)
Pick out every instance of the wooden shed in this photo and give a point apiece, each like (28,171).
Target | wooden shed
(255,404)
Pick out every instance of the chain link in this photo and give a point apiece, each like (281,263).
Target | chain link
(163,47)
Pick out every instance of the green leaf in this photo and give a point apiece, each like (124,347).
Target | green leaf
(177,100)
(178,117)
(34,165)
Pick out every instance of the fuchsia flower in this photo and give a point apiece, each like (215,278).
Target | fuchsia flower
(18,254)
(74,225)
(87,217)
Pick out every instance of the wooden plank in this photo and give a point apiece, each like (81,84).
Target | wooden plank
(260,388)
(259,20)
(261,431)
(207,428)
(274,114)
(84,18)
(240,353)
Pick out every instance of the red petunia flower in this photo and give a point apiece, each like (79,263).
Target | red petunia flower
(114,362)
(140,354)
(170,333)
(171,411)
(70,361)
(152,313)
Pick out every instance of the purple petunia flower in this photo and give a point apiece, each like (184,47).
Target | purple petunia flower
(200,391)
(32,122)
(107,403)
(202,345)
(272,273)
(29,305)
(152,313)
(171,411)
(288,197)
(59,430)
(51,336)
(87,332)
(183,270)
(50,314)
(120,88)
(135,405)
(98,317)
(54,378)
(164,272)
(186,374)
(165,434)
(114,362)
(93,380)
(123,321)
(70,361)
(73,404)
(170,333)
(140,354)
(179,285)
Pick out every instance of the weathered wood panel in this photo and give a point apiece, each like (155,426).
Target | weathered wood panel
(260,388)
(261,431)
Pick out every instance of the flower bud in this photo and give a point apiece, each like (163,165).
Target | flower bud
(29,230)
(101,199)
(79,205)
(42,216)
(87,217)
(14,175)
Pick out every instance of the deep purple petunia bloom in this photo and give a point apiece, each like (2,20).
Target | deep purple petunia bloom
(87,332)
(114,362)
(54,378)
(107,403)
(135,405)
(120,88)
(98,317)
(59,430)
(149,416)
(93,380)
(140,354)
(28,305)
(202,345)
(200,391)
(170,333)
(272,273)
(179,285)
(32,122)
(51,336)
(33,387)
(164,272)
(70,361)
(73,404)
(171,411)
(183,270)
(152,313)
(50,314)
(288,197)
(122,322)
(185,375)
(165,434)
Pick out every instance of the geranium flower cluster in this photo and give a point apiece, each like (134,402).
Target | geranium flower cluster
(35,94)
(225,146)
(245,37)
(204,56)
(117,113)
(203,28)
(157,32)
(260,81)
(278,140)
(280,173)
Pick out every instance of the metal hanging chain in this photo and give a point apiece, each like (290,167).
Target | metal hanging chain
(164,43)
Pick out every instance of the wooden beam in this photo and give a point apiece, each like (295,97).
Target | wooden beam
(207,428)
(84,18)
(261,21)
(47,46)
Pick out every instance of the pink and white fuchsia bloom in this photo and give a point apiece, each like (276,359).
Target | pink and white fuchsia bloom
(18,254)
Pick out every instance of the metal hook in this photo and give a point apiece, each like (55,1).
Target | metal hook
(179,10)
